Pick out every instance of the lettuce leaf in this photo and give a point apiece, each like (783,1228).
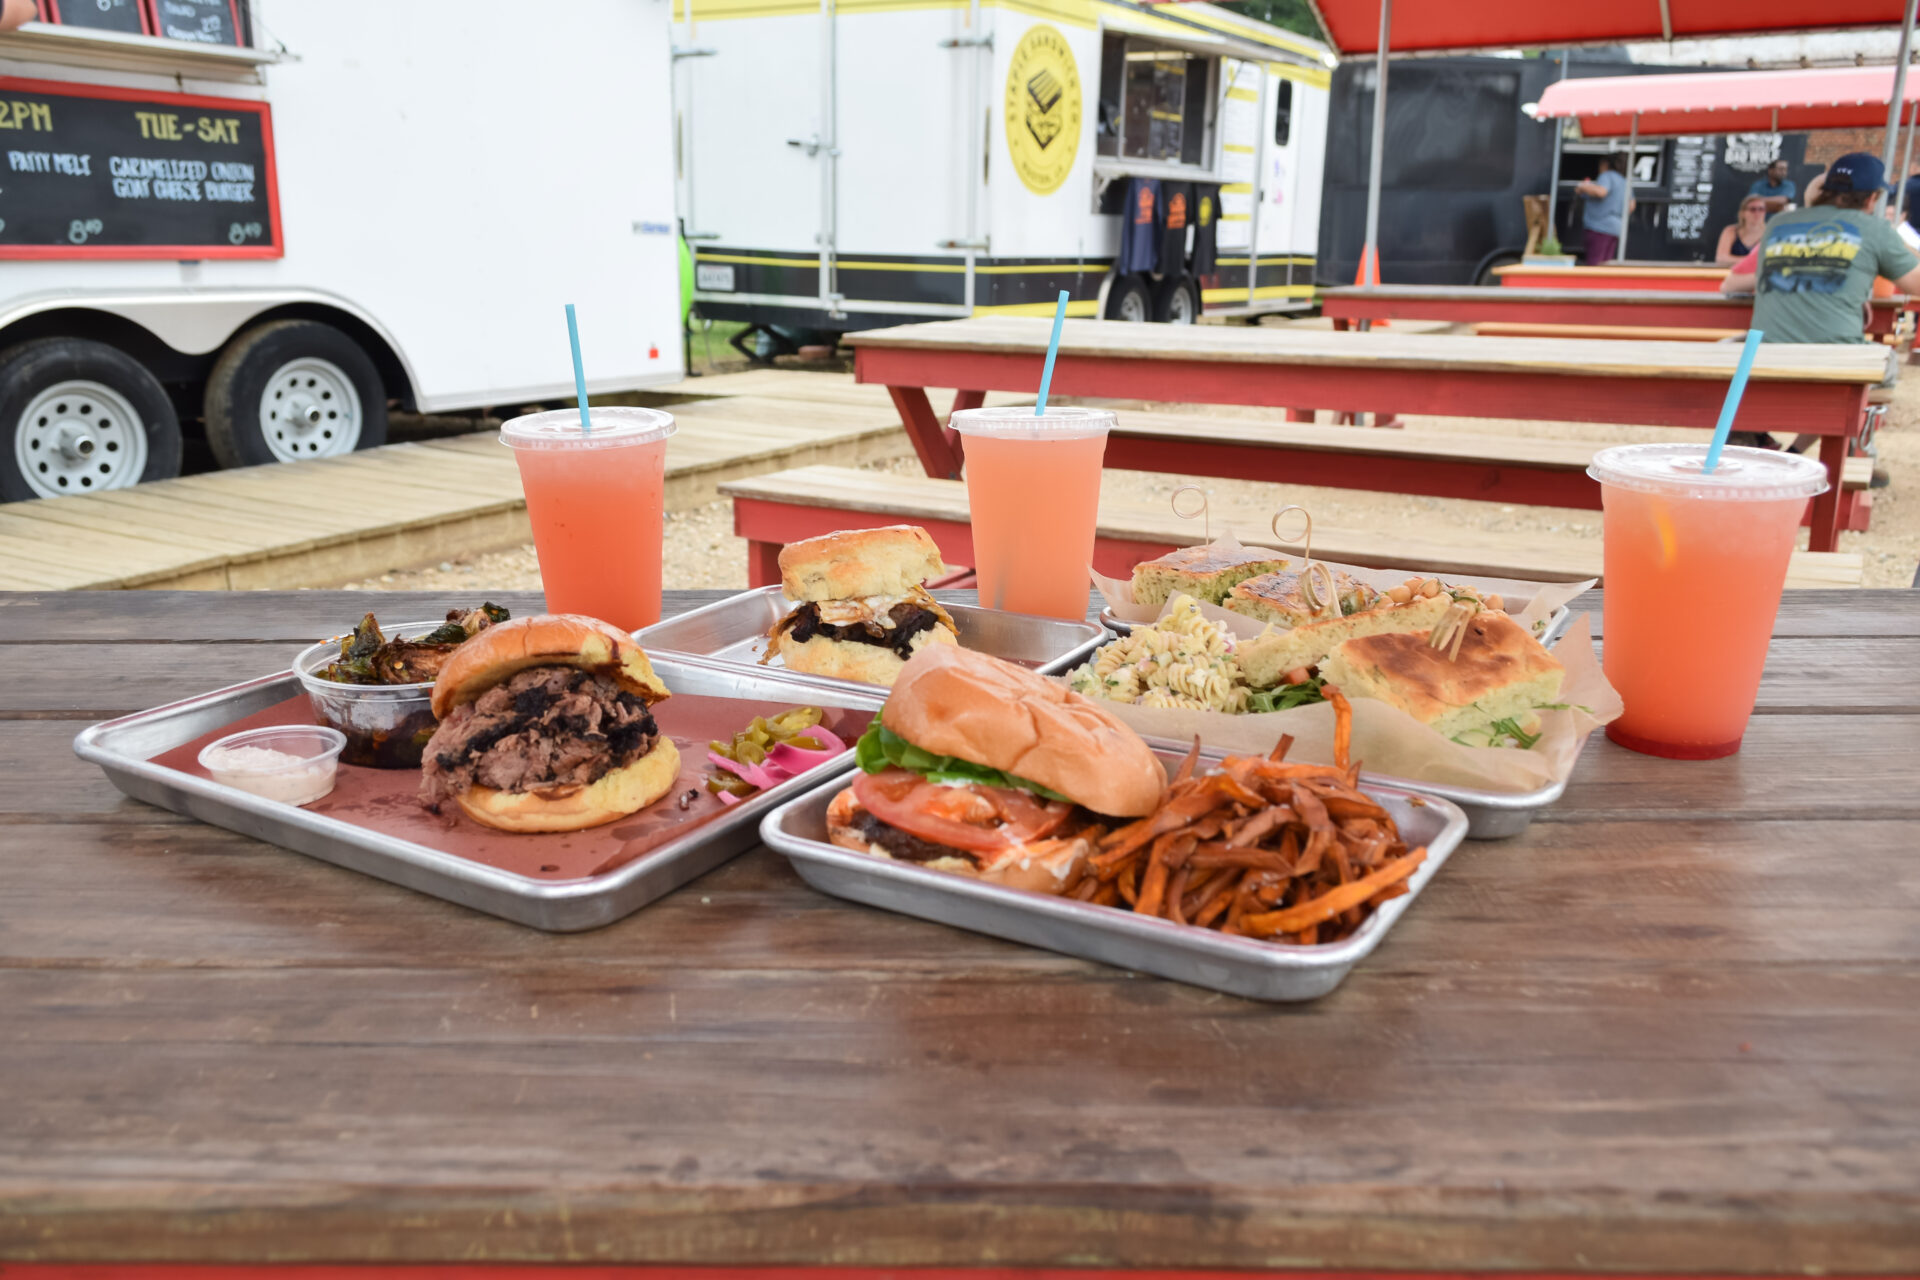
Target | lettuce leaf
(881,748)
(1287,696)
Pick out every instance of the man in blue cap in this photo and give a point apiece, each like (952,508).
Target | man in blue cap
(1815,268)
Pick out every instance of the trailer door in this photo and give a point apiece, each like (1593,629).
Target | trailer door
(757,127)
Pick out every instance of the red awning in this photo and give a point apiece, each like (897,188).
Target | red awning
(1354,25)
(1728,102)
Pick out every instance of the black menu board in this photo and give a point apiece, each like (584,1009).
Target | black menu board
(129,16)
(201,21)
(88,171)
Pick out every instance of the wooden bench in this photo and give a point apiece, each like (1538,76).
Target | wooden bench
(1685,277)
(773,510)
(1489,468)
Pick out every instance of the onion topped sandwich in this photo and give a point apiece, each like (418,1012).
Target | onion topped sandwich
(984,768)
(863,610)
(546,725)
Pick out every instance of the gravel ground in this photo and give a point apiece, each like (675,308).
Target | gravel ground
(701,550)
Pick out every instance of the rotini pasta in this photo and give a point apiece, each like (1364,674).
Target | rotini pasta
(1185,660)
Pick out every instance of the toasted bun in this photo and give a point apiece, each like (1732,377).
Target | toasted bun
(851,660)
(859,562)
(956,702)
(617,793)
(1047,866)
(497,654)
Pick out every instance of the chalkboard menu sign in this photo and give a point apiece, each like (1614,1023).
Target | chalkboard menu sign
(129,16)
(88,171)
(202,21)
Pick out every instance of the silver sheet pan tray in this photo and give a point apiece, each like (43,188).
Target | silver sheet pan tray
(734,631)
(1248,967)
(560,882)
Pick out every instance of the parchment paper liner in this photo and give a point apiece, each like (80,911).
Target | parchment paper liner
(1385,739)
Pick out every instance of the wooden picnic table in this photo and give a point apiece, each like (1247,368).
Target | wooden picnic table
(1819,389)
(1632,309)
(1688,277)
(1669,1029)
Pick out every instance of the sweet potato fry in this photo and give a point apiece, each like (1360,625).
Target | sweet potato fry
(1281,748)
(1186,766)
(1342,727)
(1313,911)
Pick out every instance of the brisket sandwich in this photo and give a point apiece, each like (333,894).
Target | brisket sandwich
(545,725)
(984,768)
(863,610)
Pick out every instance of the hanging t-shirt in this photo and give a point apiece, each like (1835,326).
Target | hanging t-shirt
(1816,271)
(1140,228)
(1206,228)
(1176,216)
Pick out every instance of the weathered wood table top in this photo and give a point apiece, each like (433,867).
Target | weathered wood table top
(1674,1027)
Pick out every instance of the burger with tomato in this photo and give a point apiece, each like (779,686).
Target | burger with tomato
(981,767)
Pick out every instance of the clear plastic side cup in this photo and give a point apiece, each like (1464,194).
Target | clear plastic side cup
(597,505)
(1694,567)
(1033,487)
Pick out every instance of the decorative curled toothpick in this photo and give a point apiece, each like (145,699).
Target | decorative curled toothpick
(1308,564)
(1200,513)
(1451,631)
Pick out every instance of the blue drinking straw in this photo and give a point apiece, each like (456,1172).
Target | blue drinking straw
(1735,389)
(1053,349)
(580,373)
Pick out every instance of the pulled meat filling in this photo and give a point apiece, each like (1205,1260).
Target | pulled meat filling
(546,728)
(909,620)
(904,845)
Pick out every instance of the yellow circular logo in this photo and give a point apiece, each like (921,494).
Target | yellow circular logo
(1043,109)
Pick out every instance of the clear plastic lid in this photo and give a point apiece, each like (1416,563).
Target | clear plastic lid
(1019,422)
(1743,475)
(613,427)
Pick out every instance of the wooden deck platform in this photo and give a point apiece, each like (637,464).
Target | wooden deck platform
(332,519)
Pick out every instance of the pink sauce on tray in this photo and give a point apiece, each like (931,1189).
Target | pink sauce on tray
(386,800)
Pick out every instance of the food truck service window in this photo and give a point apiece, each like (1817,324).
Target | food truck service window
(1156,104)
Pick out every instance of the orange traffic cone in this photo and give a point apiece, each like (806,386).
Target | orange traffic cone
(1369,274)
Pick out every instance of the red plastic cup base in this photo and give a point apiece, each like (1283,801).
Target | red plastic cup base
(1673,750)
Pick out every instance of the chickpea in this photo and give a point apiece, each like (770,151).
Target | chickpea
(1413,583)
(1494,602)
(1400,595)
(1430,588)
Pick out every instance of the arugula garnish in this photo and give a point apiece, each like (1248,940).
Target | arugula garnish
(1286,697)
(881,748)
(1510,728)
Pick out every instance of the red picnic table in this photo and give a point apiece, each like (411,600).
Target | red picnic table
(1630,309)
(1819,389)
(1620,275)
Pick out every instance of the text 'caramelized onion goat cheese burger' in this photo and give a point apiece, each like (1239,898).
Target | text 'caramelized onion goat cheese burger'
(982,767)
(546,725)
(863,610)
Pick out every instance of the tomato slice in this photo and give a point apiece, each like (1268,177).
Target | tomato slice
(975,818)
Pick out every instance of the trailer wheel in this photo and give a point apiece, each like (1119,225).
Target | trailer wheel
(83,417)
(1130,301)
(1177,301)
(291,390)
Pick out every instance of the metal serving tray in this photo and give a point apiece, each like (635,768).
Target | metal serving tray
(734,631)
(1238,966)
(125,749)
(1557,623)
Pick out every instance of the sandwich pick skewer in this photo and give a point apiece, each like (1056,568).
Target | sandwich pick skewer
(1308,565)
(1201,513)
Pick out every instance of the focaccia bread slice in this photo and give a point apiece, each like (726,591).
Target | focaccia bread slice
(1201,572)
(1501,674)
(1282,597)
(1267,658)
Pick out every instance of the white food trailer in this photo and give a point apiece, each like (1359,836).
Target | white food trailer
(276,221)
(846,164)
